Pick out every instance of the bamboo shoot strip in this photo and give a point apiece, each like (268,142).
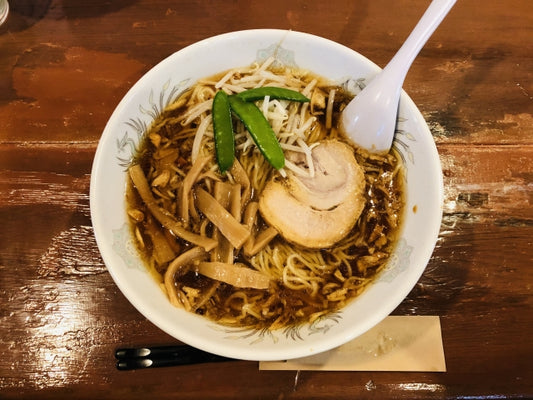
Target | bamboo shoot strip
(236,233)
(181,262)
(164,218)
(236,275)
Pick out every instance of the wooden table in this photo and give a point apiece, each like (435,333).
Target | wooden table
(64,66)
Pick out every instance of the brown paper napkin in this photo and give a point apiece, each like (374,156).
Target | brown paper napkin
(398,343)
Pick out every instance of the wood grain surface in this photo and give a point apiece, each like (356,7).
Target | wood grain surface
(64,66)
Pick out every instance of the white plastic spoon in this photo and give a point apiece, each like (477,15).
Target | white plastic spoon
(369,120)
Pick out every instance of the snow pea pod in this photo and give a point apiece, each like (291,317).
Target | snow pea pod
(274,93)
(260,130)
(223,131)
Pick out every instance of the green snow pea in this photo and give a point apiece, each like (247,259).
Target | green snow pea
(223,131)
(274,93)
(260,130)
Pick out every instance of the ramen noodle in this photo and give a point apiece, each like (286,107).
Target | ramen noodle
(255,246)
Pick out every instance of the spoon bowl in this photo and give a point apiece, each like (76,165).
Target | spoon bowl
(369,120)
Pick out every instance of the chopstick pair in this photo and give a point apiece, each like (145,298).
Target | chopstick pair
(163,356)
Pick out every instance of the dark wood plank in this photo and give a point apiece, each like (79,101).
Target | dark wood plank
(65,65)
(67,316)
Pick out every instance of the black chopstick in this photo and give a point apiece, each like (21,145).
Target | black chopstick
(163,356)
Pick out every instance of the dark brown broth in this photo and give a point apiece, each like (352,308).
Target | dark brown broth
(297,305)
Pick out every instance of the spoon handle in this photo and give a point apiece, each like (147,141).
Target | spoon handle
(400,63)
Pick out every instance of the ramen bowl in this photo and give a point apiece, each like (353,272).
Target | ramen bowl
(158,88)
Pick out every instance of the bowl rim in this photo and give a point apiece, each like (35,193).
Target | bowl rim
(192,338)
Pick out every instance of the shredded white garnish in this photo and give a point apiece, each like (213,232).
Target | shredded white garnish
(309,88)
(266,102)
(296,169)
(248,79)
(248,142)
(277,114)
(291,147)
(305,126)
(225,78)
(261,83)
(272,77)
(197,110)
(202,129)
(267,63)
(290,123)
(308,156)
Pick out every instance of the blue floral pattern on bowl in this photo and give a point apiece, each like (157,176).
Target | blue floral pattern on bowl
(127,147)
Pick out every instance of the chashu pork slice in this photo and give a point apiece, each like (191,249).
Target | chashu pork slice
(318,211)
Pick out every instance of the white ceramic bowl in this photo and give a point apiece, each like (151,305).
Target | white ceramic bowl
(180,70)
